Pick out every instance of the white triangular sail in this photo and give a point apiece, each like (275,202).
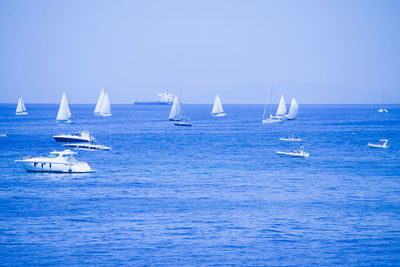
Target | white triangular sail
(64,113)
(175,113)
(99,102)
(282,107)
(217,108)
(105,106)
(21,110)
(294,109)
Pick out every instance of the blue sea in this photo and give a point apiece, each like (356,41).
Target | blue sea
(212,194)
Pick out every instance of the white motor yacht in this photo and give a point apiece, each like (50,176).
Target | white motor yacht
(382,110)
(3,135)
(299,153)
(382,144)
(291,138)
(84,136)
(87,146)
(57,161)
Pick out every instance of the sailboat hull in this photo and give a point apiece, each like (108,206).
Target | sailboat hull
(21,113)
(218,114)
(269,121)
(183,124)
(65,122)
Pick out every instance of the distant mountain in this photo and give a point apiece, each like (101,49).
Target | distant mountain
(305,93)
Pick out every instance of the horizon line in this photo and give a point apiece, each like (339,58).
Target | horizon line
(57,103)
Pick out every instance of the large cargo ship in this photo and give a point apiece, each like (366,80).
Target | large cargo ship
(165,98)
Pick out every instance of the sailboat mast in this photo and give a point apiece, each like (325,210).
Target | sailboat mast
(270,99)
(266,102)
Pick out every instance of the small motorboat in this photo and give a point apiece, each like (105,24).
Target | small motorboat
(84,136)
(291,138)
(382,144)
(3,135)
(183,123)
(299,153)
(382,110)
(56,161)
(87,146)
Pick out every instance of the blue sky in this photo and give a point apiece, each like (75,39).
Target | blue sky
(318,51)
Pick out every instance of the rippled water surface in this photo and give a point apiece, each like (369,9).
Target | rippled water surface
(212,194)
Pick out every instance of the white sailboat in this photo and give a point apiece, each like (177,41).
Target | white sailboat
(217,110)
(105,110)
(64,114)
(271,119)
(103,106)
(175,114)
(293,110)
(382,110)
(99,103)
(21,110)
(280,112)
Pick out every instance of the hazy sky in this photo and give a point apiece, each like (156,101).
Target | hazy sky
(318,51)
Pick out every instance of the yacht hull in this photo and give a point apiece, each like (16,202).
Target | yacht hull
(87,147)
(69,139)
(295,155)
(377,145)
(291,139)
(36,166)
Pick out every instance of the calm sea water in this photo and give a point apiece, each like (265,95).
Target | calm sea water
(213,194)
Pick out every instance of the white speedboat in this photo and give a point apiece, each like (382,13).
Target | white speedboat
(382,144)
(87,146)
(299,153)
(84,136)
(183,123)
(3,135)
(291,138)
(57,161)
(382,110)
